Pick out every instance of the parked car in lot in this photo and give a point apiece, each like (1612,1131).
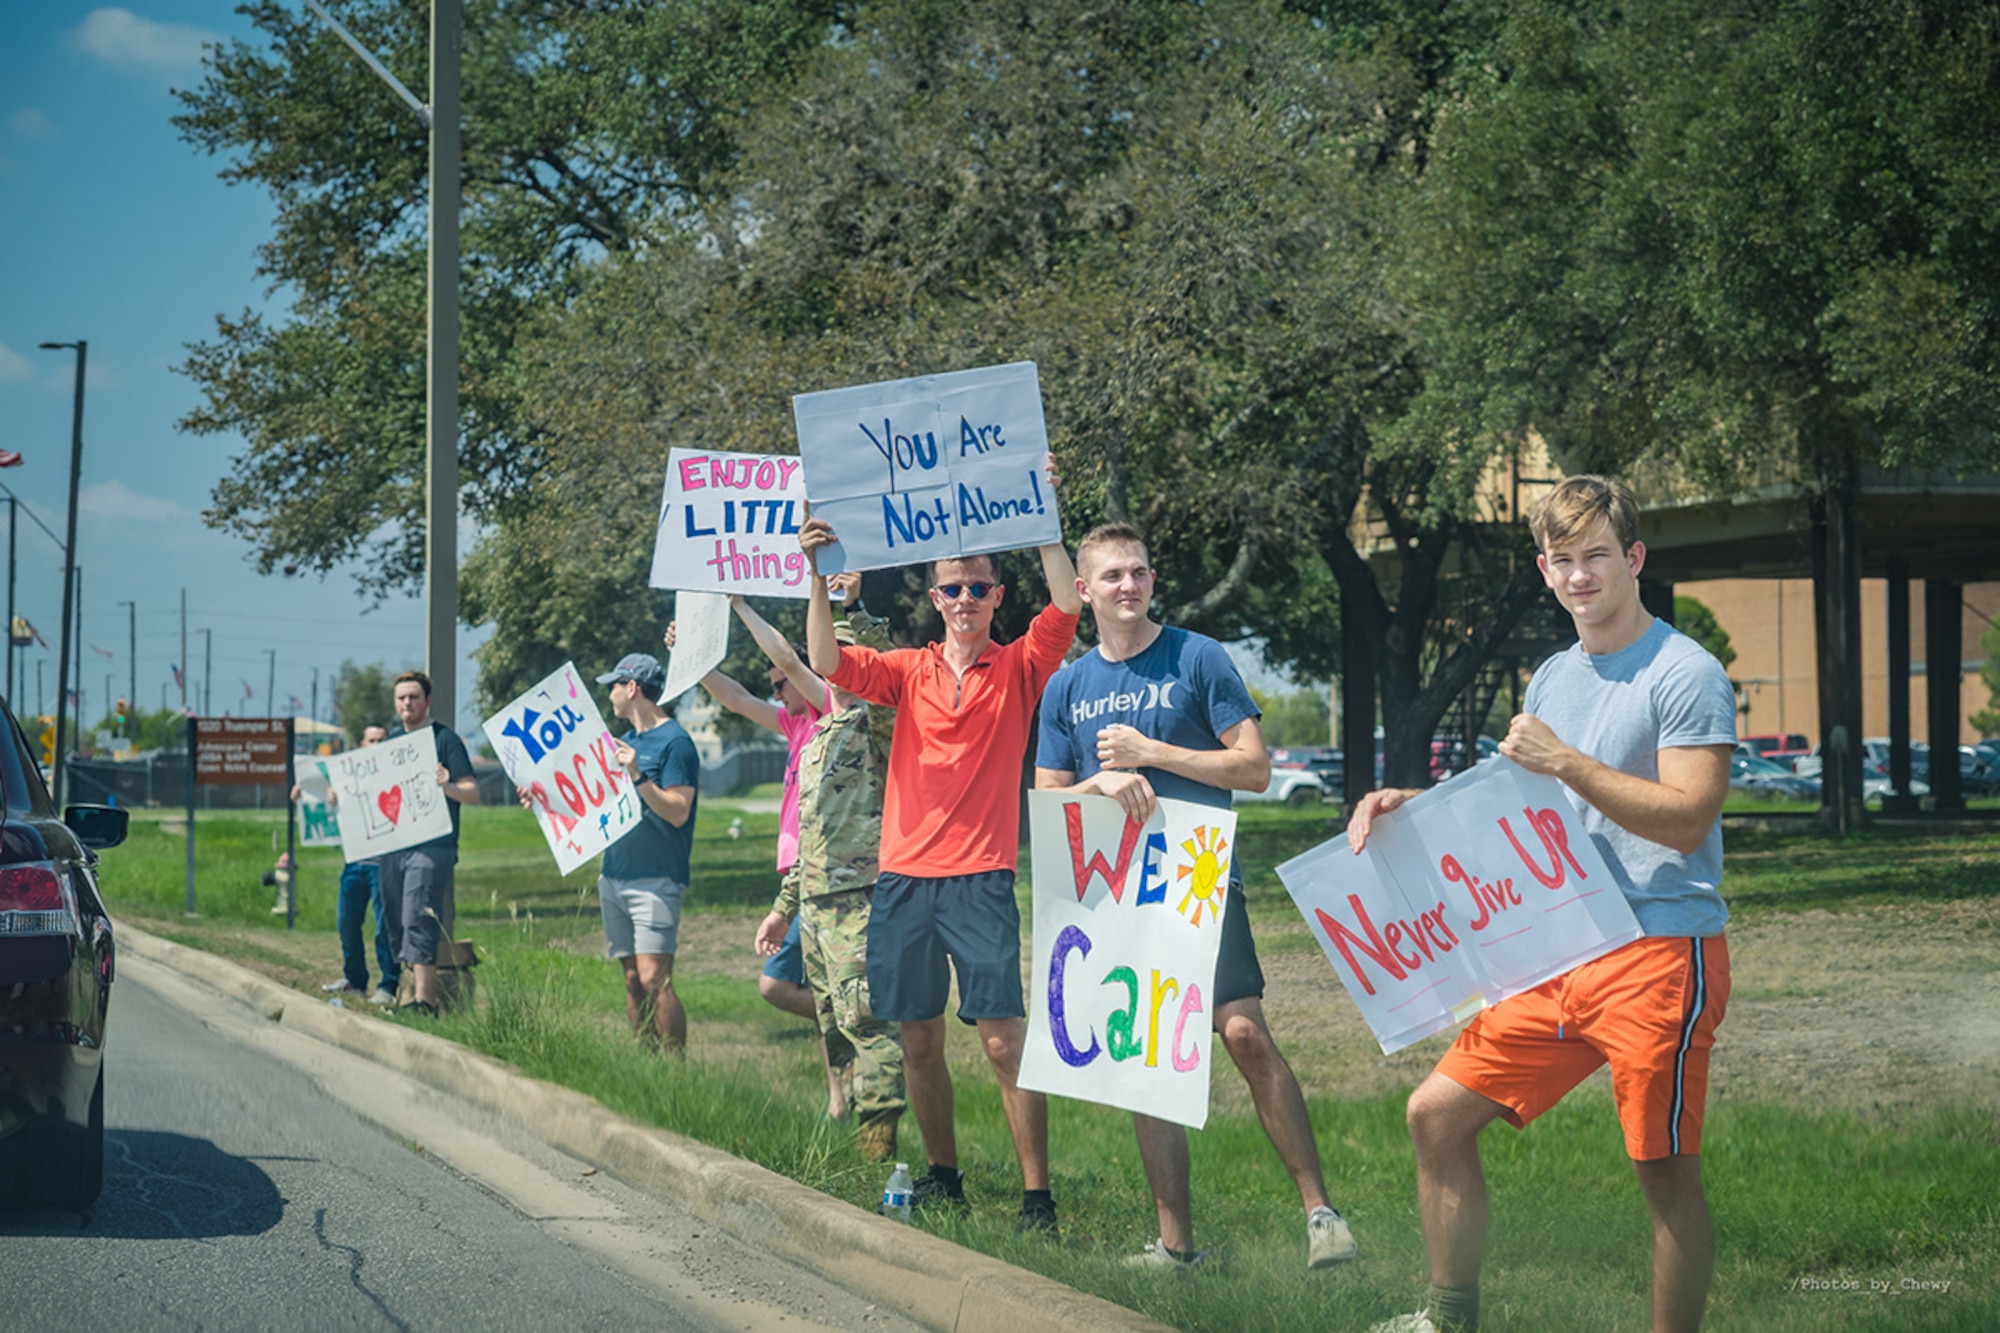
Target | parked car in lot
(1329,764)
(1783,747)
(56,966)
(1291,786)
(1766,777)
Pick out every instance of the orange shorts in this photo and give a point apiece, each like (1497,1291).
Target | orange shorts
(1650,1009)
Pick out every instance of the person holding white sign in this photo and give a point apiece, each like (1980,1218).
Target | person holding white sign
(798,700)
(360,886)
(417,881)
(1162,712)
(1638,722)
(951,833)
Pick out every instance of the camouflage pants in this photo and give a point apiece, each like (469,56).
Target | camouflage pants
(833,936)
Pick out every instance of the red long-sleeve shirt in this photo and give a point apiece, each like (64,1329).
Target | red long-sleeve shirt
(953,805)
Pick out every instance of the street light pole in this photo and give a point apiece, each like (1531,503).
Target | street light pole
(13,518)
(271,685)
(132,662)
(441,118)
(82,349)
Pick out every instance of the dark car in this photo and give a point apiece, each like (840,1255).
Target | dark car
(55,983)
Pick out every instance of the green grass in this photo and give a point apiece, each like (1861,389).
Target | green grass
(1798,1193)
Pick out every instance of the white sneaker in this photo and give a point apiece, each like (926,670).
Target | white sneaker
(339,986)
(382,997)
(1328,1241)
(1420,1322)
(1158,1257)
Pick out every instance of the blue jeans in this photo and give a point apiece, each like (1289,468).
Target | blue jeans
(361,885)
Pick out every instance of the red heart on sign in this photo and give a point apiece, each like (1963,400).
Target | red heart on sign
(390,802)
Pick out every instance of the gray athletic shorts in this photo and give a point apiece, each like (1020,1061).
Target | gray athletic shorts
(640,915)
(922,929)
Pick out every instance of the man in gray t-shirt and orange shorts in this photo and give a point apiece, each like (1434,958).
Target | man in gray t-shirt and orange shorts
(1638,722)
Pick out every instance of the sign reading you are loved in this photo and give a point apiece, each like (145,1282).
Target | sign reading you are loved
(929,468)
(729,523)
(1127,922)
(389,795)
(555,748)
(1481,888)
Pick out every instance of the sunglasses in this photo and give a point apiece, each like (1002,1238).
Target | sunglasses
(978,590)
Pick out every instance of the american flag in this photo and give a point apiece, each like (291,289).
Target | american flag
(8,458)
(103,652)
(178,682)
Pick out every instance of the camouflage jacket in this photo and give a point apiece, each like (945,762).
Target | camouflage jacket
(843,772)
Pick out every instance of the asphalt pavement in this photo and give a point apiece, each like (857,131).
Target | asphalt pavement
(256,1178)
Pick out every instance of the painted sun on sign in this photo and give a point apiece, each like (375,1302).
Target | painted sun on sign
(1207,873)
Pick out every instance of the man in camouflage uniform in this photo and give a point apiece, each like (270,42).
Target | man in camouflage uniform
(843,771)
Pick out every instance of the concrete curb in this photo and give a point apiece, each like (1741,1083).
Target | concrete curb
(929,1279)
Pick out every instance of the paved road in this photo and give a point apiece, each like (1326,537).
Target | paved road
(258,1179)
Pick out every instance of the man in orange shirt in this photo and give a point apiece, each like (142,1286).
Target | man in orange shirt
(951,831)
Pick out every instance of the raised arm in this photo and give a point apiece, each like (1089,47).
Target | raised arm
(783,656)
(821,646)
(730,693)
(1060,574)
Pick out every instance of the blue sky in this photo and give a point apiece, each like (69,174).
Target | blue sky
(115,231)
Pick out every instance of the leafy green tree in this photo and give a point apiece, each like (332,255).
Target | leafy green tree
(363,696)
(586,121)
(1294,717)
(1987,719)
(1693,618)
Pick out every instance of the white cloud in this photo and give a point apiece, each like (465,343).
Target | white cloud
(120,37)
(116,500)
(28,123)
(14,366)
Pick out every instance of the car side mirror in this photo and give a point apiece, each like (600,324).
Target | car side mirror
(98,826)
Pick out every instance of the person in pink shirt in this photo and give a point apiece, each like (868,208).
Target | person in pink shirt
(799,699)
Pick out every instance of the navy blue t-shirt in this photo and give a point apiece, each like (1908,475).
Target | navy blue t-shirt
(457,763)
(666,758)
(1183,690)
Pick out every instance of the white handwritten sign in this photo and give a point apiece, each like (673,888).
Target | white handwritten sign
(390,795)
(319,818)
(1478,889)
(1128,919)
(729,523)
(553,739)
(701,640)
(928,468)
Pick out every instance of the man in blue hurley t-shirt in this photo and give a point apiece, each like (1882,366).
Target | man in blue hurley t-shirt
(644,875)
(1162,712)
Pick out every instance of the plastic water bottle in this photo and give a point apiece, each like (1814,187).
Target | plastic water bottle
(896,1195)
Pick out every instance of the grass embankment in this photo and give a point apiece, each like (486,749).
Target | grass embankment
(1801,1196)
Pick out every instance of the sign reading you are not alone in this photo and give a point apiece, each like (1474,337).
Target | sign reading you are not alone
(929,468)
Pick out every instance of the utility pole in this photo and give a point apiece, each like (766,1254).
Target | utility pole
(271,685)
(207,672)
(441,118)
(13,517)
(184,652)
(315,708)
(82,349)
(132,663)
(76,658)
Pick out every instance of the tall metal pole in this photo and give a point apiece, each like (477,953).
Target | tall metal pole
(76,684)
(132,663)
(441,434)
(184,656)
(207,672)
(13,517)
(271,685)
(82,348)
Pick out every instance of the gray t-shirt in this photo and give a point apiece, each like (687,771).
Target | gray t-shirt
(1623,708)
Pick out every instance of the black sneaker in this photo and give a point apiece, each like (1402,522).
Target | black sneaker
(417,1009)
(1038,1214)
(932,1190)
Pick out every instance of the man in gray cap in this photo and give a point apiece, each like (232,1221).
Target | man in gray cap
(645,873)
